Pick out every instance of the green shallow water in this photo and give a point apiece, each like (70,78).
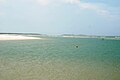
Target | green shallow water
(59,59)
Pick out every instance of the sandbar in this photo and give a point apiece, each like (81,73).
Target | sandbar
(16,37)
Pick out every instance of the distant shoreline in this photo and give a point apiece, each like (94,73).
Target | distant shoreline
(66,35)
(29,36)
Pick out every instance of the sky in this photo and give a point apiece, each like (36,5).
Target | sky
(90,17)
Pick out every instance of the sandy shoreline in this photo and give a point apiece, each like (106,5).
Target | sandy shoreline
(16,37)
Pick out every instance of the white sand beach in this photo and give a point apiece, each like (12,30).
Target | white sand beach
(16,37)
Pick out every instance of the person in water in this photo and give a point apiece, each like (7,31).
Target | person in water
(76,46)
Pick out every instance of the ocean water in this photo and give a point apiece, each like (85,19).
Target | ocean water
(59,59)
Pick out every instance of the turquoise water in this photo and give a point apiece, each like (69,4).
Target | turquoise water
(59,59)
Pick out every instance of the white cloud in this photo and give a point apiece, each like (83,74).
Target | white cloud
(72,1)
(47,2)
(43,2)
(95,7)
(89,6)
(98,8)
(101,9)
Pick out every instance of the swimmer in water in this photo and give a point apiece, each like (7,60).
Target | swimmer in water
(76,46)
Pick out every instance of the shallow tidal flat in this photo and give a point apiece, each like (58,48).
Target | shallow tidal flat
(59,59)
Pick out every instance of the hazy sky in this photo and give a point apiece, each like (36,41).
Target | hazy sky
(100,17)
